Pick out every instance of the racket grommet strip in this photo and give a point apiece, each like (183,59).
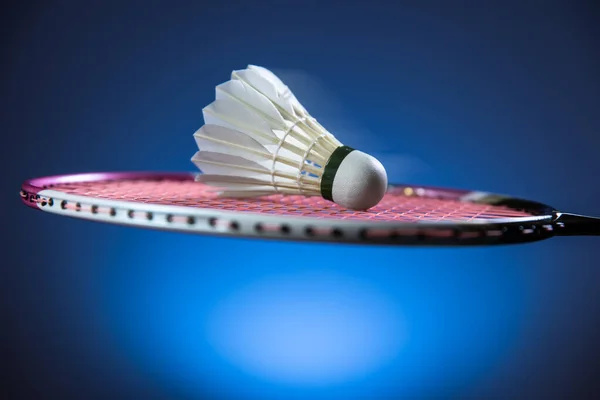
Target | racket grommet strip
(363,234)
(493,232)
(321,232)
(261,228)
(470,234)
(527,230)
(450,217)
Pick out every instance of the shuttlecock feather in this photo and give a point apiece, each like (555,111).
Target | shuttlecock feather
(258,140)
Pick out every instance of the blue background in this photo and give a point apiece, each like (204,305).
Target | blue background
(474,95)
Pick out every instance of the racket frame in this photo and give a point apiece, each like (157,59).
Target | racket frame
(543,223)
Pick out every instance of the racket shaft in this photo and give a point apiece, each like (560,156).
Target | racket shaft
(576,225)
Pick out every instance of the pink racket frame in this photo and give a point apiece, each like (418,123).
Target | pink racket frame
(321,221)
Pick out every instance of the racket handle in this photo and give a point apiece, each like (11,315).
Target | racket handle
(576,225)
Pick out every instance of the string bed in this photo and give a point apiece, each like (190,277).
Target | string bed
(401,204)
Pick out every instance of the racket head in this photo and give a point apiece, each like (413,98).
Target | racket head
(407,215)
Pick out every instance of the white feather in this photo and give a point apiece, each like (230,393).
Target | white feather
(234,181)
(258,139)
(266,87)
(250,98)
(234,115)
(241,194)
(281,87)
(227,164)
(219,139)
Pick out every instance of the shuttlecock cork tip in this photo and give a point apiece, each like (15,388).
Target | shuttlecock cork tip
(353,179)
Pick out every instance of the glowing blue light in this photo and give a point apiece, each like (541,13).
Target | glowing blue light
(259,319)
(308,329)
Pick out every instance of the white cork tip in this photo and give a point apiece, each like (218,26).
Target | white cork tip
(360,182)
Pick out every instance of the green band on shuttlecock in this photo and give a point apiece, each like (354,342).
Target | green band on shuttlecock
(331,169)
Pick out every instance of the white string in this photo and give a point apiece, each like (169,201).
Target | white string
(276,153)
(308,150)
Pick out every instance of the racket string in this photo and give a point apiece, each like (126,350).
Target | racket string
(400,204)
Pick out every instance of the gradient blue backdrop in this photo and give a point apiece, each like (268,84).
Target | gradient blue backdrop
(485,96)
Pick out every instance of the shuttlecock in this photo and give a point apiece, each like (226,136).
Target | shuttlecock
(258,140)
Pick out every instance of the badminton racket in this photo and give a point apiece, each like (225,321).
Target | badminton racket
(407,215)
